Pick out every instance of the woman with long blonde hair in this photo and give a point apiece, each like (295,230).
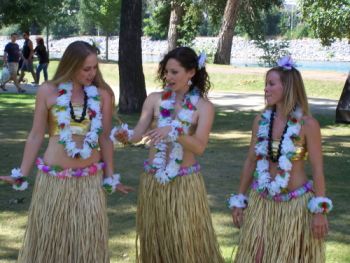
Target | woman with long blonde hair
(284,219)
(67,217)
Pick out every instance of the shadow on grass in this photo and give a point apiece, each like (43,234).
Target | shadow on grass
(221,163)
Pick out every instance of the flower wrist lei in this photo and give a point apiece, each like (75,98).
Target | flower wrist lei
(110,183)
(21,182)
(116,129)
(320,205)
(237,200)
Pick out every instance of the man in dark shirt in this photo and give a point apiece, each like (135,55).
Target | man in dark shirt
(27,55)
(11,58)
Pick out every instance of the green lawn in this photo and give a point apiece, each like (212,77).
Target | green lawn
(221,166)
(225,78)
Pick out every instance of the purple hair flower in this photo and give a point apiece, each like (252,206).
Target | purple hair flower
(286,63)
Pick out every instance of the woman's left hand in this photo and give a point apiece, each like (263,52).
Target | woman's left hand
(319,226)
(156,135)
(124,188)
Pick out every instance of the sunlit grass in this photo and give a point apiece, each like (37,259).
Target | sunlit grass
(221,168)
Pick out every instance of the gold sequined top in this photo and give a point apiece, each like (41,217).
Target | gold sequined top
(301,152)
(77,128)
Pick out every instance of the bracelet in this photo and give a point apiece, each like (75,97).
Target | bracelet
(116,129)
(21,182)
(237,200)
(320,205)
(110,183)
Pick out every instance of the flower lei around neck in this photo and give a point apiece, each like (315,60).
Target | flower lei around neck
(262,175)
(165,172)
(62,112)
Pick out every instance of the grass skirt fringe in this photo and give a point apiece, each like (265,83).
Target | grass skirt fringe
(67,221)
(174,223)
(281,229)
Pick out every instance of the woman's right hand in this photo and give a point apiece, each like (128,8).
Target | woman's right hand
(8,179)
(237,216)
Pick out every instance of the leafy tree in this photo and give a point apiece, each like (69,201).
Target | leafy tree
(105,13)
(156,23)
(248,13)
(328,19)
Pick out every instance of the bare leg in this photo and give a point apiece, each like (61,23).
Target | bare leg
(260,253)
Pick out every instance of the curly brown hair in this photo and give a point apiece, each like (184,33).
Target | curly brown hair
(188,59)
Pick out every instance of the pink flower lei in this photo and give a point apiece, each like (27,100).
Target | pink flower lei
(262,174)
(62,113)
(182,122)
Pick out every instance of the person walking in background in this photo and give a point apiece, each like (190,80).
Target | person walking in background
(27,56)
(11,59)
(43,56)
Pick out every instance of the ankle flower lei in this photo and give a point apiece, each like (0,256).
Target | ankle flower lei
(21,182)
(262,174)
(168,171)
(63,118)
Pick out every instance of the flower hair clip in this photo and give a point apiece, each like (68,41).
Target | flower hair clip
(286,63)
(201,60)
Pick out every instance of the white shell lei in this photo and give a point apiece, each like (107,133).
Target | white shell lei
(168,171)
(262,173)
(62,113)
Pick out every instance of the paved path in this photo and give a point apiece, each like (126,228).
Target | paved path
(224,100)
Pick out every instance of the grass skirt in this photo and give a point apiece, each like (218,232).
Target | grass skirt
(67,221)
(282,228)
(174,223)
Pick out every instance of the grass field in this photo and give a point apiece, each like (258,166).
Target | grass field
(221,167)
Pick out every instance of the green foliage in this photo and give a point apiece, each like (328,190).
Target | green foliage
(328,19)
(156,23)
(8,30)
(273,50)
(65,26)
(189,26)
(105,13)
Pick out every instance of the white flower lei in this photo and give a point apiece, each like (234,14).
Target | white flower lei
(262,173)
(168,171)
(62,113)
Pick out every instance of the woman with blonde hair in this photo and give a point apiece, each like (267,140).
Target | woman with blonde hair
(173,217)
(67,217)
(285,217)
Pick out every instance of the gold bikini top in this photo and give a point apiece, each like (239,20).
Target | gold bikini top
(77,128)
(301,152)
(154,123)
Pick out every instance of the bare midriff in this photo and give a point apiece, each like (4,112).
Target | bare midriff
(55,154)
(188,159)
(297,175)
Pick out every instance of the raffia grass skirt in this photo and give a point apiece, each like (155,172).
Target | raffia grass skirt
(67,221)
(283,229)
(174,223)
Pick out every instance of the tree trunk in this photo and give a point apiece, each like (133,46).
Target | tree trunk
(107,47)
(223,52)
(176,14)
(132,81)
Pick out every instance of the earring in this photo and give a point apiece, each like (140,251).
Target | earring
(189,82)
